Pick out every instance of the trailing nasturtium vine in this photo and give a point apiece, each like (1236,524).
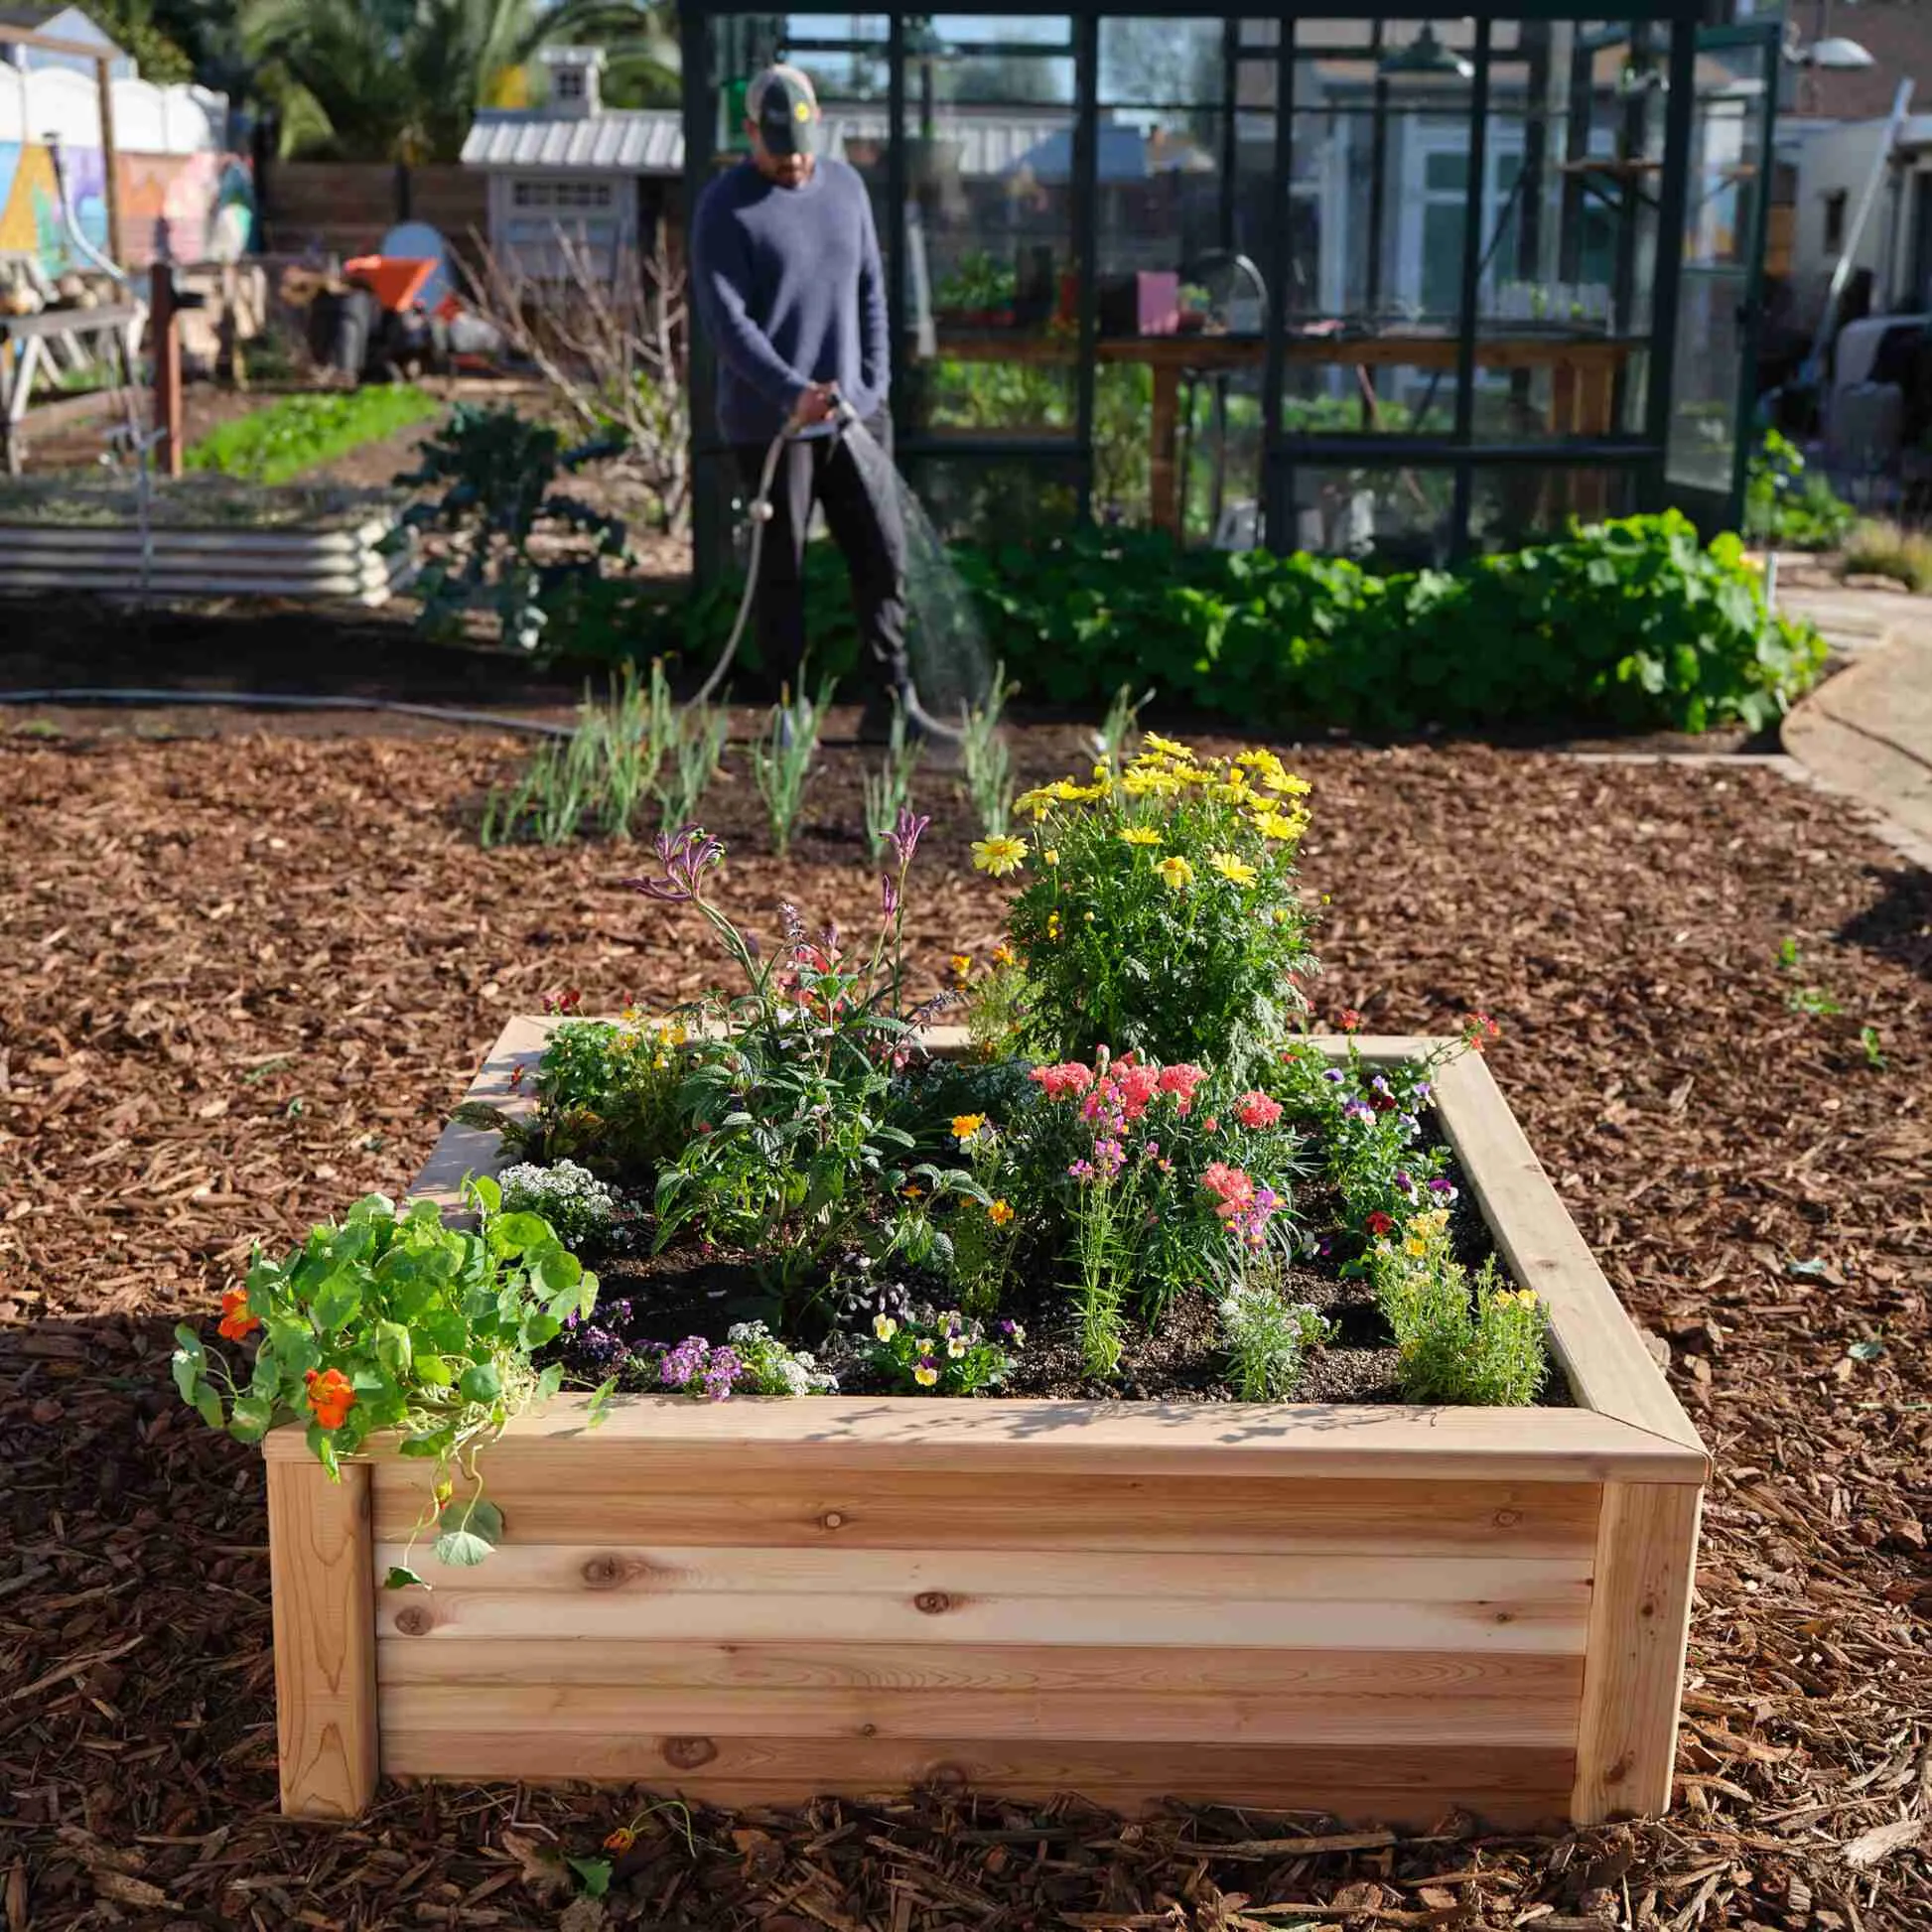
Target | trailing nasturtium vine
(390,1321)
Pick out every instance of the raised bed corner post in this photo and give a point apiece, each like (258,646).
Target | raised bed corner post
(1633,1668)
(322,1570)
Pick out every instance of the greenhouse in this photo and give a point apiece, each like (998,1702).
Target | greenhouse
(1377,281)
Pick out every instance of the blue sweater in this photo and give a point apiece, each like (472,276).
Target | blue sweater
(787,282)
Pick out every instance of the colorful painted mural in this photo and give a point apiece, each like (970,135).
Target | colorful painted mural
(175,184)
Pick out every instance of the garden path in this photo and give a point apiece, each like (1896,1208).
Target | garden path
(1868,730)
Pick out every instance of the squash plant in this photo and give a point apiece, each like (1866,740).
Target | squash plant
(387,1320)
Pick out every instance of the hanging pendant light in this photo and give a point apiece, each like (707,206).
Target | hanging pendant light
(1425,54)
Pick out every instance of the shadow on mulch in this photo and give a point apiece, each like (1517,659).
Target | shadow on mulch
(1898,924)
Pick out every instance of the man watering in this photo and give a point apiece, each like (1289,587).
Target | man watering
(786,276)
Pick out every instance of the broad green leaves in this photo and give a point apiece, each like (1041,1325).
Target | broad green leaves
(393,1322)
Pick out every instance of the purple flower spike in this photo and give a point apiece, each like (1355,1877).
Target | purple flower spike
(905,834)
(888,895)
(686,856)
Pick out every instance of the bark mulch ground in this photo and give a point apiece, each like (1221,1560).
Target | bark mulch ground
(243,980)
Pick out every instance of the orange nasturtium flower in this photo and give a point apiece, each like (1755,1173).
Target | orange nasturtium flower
(236,1324)
(330,1397)
(622,1840)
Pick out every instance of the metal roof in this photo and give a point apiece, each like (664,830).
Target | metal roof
(651,141)
(615,142)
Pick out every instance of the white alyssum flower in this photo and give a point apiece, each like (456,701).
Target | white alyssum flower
(571,1198)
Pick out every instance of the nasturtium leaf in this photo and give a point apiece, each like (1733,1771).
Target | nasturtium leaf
(540,1328)
(483,1189)
(446,1331)
(208,1405)
(478,1516)
(460,1549)
(600,1403)
(190,1361)
(550,1381)
(479,1382)
(401,1576)
(392,1347)
(251,1417)
(593,1874)
(337,1301)
(434,1442)
(513,1233)
(557,1269)
(432,1369)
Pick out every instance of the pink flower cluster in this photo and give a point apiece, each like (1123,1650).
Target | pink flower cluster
(1243,1207)
(1064,1080)
(1257,1110)
(1114,1096)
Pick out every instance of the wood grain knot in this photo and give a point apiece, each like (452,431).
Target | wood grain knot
(1507,1519)
(949,1775)
(932,1603)
(416,1620)
(604,1571)
(831,1520)
(1505,1616)
(688,1753)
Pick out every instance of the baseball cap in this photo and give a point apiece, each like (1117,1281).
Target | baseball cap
(785,104)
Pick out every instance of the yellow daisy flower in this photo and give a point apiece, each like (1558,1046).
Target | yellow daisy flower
(997,856)
(1282,825)
(1138,834)
(1238,870)
(1287,783)
(1175,874)
(1037,802)
(1167,746)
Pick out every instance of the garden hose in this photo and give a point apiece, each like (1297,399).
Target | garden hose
(844,418)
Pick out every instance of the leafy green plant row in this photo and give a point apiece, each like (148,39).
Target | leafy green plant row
(297,434)
(1633,623)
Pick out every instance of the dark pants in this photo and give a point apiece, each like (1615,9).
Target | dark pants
(870,534)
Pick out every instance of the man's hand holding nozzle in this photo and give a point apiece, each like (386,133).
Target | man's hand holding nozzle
(816,401)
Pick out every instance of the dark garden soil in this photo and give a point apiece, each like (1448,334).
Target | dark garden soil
(243,980)
(651,1301)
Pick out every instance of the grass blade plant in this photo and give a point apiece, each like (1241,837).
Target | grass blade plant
(985,760)
(782,764)
(694,749)
(889,790)
(1120,725)
(595,780)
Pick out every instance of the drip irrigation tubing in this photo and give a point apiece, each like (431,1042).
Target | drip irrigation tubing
(281,701)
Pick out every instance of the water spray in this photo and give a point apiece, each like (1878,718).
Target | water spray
(875,466)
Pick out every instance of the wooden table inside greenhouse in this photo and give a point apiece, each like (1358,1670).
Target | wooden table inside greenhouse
(1582,390)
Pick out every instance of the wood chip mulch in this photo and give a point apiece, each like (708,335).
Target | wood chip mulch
(241,980)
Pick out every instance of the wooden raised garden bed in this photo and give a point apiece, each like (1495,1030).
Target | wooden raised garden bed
(1375,1612)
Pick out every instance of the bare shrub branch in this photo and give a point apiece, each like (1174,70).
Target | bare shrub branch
(608,346)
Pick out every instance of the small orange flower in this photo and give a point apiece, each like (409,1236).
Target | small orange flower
(622,1840)
(1003,955)
(236,1323)
(330,1397)
(999,1213)
(962,964)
